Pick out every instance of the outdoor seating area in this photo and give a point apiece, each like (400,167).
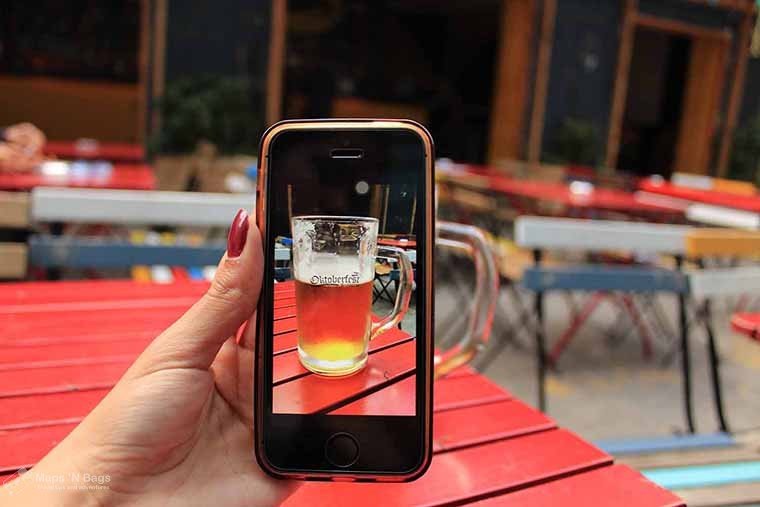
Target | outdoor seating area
(593,247)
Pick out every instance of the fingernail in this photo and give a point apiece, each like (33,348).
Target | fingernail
(238,234)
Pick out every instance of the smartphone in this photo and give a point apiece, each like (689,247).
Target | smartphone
(344,356)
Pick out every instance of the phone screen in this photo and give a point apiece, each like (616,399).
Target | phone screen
(345,212)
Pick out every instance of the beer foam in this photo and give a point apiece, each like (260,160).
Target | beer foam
(318,268)
(334,250)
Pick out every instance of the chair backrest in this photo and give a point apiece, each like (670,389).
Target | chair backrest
(599,235)
(722,216)
(132,207)
(708,242)
(129,207)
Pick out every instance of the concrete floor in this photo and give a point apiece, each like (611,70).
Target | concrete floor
(604,388)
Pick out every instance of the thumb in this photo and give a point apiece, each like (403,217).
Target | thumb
(194,340)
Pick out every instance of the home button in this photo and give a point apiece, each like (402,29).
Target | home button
(342,450)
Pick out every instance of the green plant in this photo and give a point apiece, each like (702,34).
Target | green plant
(745,155)
(215,109)
(576,142)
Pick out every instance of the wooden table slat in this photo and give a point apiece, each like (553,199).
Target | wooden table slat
(312,394)
(469,473)
(613,485)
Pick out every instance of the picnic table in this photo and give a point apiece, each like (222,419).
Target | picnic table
(706,196)
(96,150)
(119,176)
(579,198)
(65,344)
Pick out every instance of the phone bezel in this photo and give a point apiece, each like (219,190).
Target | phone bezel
(286,444)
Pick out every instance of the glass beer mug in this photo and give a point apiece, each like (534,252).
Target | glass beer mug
(334,271)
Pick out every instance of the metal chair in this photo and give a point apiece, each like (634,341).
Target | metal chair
(540,234)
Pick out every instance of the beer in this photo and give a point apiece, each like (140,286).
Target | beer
(334,324)
(334,271)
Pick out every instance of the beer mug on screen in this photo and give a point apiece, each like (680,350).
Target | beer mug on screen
(334,272)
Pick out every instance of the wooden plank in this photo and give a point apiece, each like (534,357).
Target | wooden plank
(456,392)
(122,176)
(47,409)
(83,323)
(541,87)
(479,424)
(313,394)
(748,203)
(464,389)
(13,260)
(96,290)
(109,305)
(110,151)
(737,91)
(72,252)
(620,88)
(24,358)
(89,290)
(391,400)
(723,217)
(511,84)
(600,235)
(130,207)
(613,485)
(467,474)
(14,210)
(276,61)
(701,104)
(161,11)
(143,69)
(59,379)
(22,448)
(677,27)
(735,494)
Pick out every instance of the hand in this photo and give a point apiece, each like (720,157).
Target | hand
(26,137)
(178,427)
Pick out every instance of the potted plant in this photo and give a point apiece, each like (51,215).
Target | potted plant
(207,130)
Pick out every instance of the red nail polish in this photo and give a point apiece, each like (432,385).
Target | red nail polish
(238,234)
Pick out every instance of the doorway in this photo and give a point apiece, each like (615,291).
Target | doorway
(653,110)
(428,61)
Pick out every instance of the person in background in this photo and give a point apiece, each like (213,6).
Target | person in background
(21,147)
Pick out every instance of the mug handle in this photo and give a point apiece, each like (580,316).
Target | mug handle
(403,294)
(470,240)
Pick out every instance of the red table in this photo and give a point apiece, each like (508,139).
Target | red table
(114,152)
(66,343)
(747,324)
(598,199)
(742,202)
(399,243)
(122,176)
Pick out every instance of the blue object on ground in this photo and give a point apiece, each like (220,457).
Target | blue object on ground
(195,273)
(700,476)
(662,444)
(252,172)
